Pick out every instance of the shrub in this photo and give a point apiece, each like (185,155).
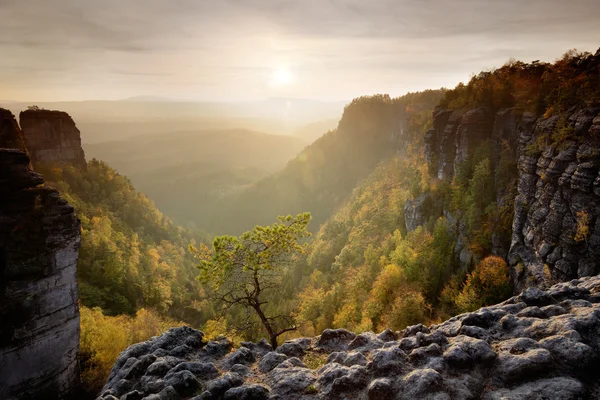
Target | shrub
(583,226)
(104,337)
(489,283)
(314,360)
(407,310)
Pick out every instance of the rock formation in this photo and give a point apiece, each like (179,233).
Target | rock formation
(52,137)
(537,345)
(10,133)
(416,211)
(39,242)
(556,232)
(556,229)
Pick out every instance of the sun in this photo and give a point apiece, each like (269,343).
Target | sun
(281,77)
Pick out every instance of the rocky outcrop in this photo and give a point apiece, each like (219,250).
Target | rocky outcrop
(10,133)
(440,142)
(39,241)
(456,134)
(474,129)
(556,229)
(454,137)
(52,138)
(417,211)
(537,345)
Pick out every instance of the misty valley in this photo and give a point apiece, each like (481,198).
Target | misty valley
(441,242)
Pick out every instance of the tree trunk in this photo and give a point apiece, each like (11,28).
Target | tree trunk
(268,327)
(274,342)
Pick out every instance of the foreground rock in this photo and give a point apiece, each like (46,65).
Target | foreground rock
(537,345)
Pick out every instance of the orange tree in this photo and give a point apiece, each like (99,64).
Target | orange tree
(489,283)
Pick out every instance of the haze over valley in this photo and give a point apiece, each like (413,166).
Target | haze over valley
(299,200)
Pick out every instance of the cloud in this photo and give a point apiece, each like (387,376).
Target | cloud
(234,44)
(138,73)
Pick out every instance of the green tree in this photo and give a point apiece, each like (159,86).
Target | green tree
(246,271)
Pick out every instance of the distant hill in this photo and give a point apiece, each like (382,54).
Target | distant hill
(322,176)
(231,148)
(185,171)
(101,121)
(315,130)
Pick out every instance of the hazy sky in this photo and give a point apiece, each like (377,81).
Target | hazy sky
(247,49)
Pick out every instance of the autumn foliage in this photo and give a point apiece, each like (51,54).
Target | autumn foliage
(104,337)
(488,284)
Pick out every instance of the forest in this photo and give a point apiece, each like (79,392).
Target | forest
(342,253)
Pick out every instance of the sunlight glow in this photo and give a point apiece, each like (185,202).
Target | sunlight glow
(281,76)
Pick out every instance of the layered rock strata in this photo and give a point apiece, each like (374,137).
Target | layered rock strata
(52,138)
(10,133)
(39,314)
(537,345)
(556,229)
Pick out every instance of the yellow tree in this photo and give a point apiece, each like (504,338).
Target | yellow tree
(489,283)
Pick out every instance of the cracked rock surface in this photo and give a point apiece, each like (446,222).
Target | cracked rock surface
(537,345)
(39,249)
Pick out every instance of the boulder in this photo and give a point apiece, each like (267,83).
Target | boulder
(539,344)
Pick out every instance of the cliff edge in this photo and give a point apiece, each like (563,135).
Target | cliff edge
(552,177)
(39,243)
(52,137)
(537,345)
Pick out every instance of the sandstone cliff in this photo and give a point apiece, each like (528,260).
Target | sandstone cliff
(52,137)
(39,241)
(10,133)
(556,229)
(537,345)
(555,235)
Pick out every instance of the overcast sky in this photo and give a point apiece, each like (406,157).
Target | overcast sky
(251,49)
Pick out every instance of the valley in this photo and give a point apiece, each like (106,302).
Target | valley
(244,234)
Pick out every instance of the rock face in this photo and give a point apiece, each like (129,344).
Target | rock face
(39,242)
(417,210)
(556,229)
(10,133)
(455,135)
(52,137)
(537,345)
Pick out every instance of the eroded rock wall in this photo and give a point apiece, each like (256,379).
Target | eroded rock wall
(52,138)
(39,313)
(10,133)
(556,229)
(537,345)
(455,135)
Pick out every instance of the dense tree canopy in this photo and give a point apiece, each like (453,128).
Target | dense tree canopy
(131,255)
(543,88)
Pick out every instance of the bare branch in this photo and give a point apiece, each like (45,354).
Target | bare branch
(281,332)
